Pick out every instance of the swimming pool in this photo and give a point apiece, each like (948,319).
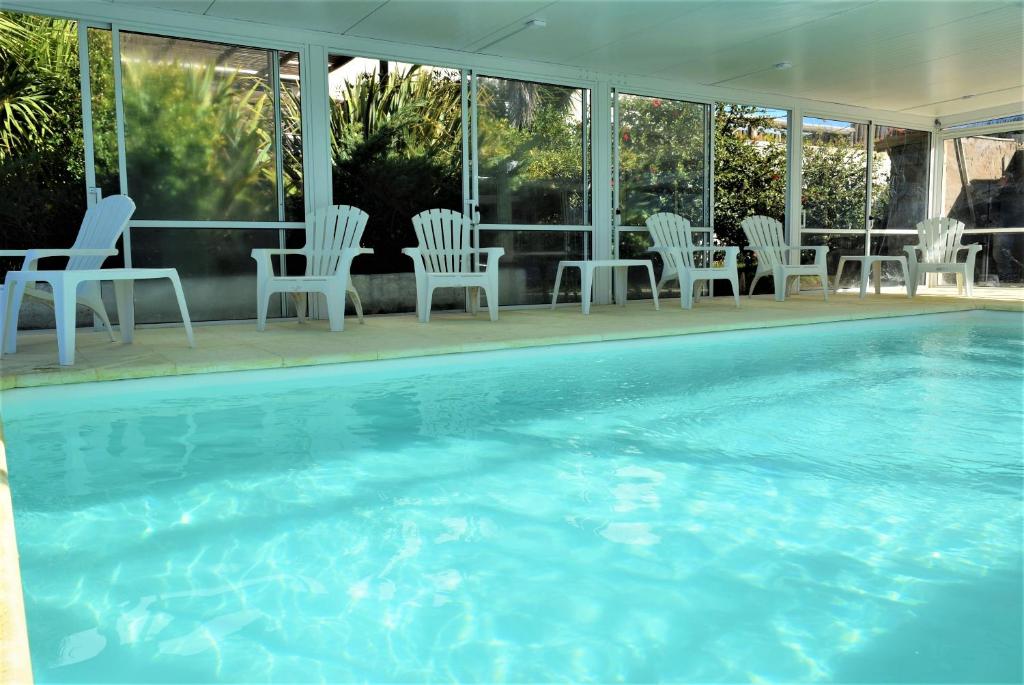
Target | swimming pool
(833,502)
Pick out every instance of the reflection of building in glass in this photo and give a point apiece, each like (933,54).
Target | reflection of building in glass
(984,188)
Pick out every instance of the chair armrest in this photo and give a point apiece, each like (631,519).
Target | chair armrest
(268,251)
(13,253)
(493,254)
(819,252)
(418,265)
(34,255)
(911,251)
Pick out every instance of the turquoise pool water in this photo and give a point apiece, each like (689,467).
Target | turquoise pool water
(818,503)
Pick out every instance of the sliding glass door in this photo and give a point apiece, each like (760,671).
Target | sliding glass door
(530,185)
(206,138)
(661,156)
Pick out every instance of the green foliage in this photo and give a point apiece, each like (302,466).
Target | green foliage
(396,149)
(661,159)
(530,147)
(750,169)
(199,143)
(41,146)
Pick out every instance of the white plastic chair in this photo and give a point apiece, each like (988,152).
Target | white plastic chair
(332,242)
(780,260)
(939,246)
(101,227)
(673,240)
(445,259)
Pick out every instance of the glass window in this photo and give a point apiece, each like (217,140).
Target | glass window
(899,177)
(834,174)
(750,168)
(662,158)
(531,261)
(291,136)
(104,120)
(199,129)
(533,146)
(396,150)
(984,188)
(42,172)
(218,273)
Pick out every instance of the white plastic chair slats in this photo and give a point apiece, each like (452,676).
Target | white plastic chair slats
(102,225)
(445,237)
(672,230)
(332,230)
(940,239)
(766,232)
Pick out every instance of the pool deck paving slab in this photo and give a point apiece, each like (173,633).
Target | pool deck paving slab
(162,351)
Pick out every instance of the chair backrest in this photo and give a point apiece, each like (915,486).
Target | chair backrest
(766,232)
(446,240)
(328,232)
(672,230)
(939,239)
(102,225)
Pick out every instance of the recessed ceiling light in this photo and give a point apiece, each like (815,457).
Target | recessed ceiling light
(783,65)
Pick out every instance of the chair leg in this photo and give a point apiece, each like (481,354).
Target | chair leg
(356,303)
(753,284)
(91,299)
(262,305)
(335,308)
(64,311)
(301,301)
(734,281)
(969,281)
(779,277)
(15,295)
(685,292)
(491,293)
(823,277)
(186,320)
(428,303)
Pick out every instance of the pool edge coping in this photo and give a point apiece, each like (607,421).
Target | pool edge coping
(15,657)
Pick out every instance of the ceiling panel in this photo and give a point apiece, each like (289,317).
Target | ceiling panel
(912,55)
(336,17)
(194,6)
(570,32)
(711,29)
(452,24)
(996,99)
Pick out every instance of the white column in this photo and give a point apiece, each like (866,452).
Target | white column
(795,180)
(316,129)
(601,173)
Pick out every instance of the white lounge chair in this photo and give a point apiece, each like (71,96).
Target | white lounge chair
(780,260)
(101,228)
(445,259)
(939,247)
(332,242)
(673,240)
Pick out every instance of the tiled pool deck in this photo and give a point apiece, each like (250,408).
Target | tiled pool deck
(239,346)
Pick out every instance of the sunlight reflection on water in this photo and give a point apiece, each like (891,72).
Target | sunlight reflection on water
(817,503)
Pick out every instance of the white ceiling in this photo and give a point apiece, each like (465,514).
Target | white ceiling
(914,56)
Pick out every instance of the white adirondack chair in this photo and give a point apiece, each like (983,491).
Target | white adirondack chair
(939,247)
(444,259)
(332,242)
(780,260)
(673,240)
(101,227)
